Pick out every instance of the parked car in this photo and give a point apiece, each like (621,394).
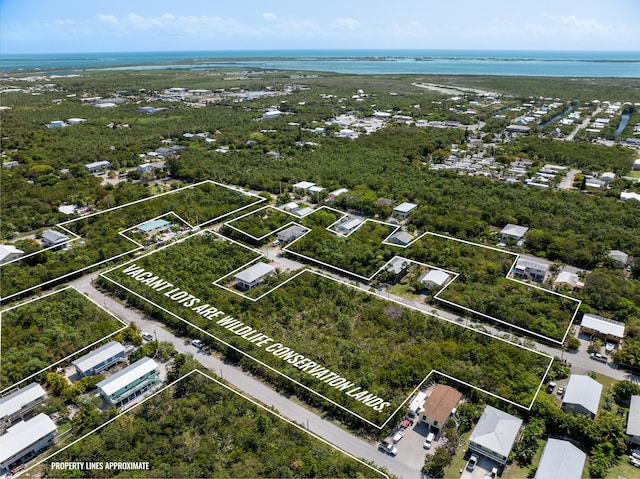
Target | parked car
(598,357)
(429,440)
(275,243)
(560,391)
(197,343)
(550,387)
(387,447)
(147,336)
(397,437)
(471,464)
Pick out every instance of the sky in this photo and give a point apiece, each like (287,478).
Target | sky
(84,26)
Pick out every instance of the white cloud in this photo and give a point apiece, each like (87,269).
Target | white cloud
(102,18)
(66,21)
(585,25)
(269,16)
(346,23)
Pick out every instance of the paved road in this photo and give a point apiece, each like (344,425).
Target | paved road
(567,181)
(255,388)
(582,125)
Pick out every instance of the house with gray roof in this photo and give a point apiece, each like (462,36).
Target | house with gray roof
(20,402)
(513,232)
(9,252)
(633,421)
(401,238)
(495,434)
(530,269)
(53,238)
(291,233)
(434,278)
(99,359)
(582,395)
(403,209)
(253,275)
(619,258)
(560,460)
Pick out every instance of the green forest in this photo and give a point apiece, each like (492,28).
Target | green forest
(198,428)
(380,346)
(41,332)
(99,238)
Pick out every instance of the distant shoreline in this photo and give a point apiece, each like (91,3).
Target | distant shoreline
(623,64)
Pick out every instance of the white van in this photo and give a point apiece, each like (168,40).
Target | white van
(429,440)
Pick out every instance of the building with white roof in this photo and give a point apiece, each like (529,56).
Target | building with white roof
(434,278)
(633,420)
(495,434)
(403,209)
(604,328)
(25,439)
(629,195)
(9,252)
(99,359)
(291,206)
(560,460)
(303,185)
(349,226)
(20,402)
(530,269)
(253,275)
(335,193)
(582,395)
(97,166)
(571,279)
(514,232)
(303,211)
(130,382)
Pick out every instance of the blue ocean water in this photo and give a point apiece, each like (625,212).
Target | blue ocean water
(454,62)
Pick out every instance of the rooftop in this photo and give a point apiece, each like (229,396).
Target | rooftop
(441,402)
(122,378)
(404,207)
(98,356)
(153,225)
(11,404)
(584,391)
(496,431)
(560,460)
(514,230)
(24,434)
(633,423)
(435,276)
(603,325)
(255,272)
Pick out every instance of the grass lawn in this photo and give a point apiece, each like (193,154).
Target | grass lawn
(622,469)
(405,291)
(514,471)
(634,174)
(459,459)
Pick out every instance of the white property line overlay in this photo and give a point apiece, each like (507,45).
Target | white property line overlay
(138,246)
(125,325)
(437,295)
(197,371)
(103,275)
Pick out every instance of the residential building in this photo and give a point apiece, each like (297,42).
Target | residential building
(603,328)
(626,195)
(495,434)
(131,382)
(633,421)
(25,439)
(76,121)
(290,207)
(335,193)
(403,210)
(301,212)
(349,226)
(582,395)
(438,406)
(9,252)
(530,269)
(513,232)
(271,114)
(154,226)
(619,258)
(53,238)
(523,130)
(291,233)
(570,279)
(560,460)
(253,275)
(401,238)
(99,359)
(398,266)
(303,186)
(20,402)
(57,124)
(97,166)
(434,278)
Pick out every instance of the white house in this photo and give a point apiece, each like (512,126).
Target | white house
(335,193)
(514,232)
(495,434)
(349,226)
(24,439)
(9,253)
(582,395)
(253,275)
(97,166)
(130,382)
(434,278)
(530,269)
(99,359)
(604,328)
(271,114)
(20,402)
(629,195)
(303,186)
(633,420)
(403,209)
(560,460)
(571,279)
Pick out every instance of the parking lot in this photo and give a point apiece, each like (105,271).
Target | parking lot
(410,447)
(482,469)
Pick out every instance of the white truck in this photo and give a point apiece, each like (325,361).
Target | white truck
(415,406)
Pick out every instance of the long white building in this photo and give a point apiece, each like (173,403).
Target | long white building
(24,440)
(20,402)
